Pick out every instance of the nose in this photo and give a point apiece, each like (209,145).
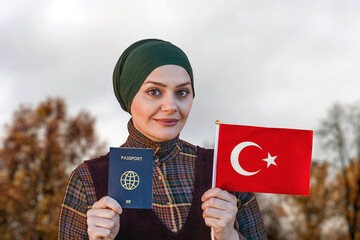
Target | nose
(169,103)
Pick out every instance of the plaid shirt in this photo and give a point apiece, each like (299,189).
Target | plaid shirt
(173,182)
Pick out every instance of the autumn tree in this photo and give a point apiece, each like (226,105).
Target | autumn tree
(305,217)
(274,215)
(340,134)
(39,147)
(314,212)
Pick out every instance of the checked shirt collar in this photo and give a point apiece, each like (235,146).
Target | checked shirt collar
(164,150)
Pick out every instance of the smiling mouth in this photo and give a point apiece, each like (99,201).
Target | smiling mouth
(167,121)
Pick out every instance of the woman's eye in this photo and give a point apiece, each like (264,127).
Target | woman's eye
(183,92)
(154,92)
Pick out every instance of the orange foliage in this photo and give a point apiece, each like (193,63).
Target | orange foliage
(39,146)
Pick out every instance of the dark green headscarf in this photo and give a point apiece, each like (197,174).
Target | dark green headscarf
(138,61)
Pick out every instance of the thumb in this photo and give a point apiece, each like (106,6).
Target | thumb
(108,202)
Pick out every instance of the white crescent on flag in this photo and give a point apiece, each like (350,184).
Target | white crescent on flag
(235,163)
(235,158)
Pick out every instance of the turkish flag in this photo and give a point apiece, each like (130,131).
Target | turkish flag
(267,160)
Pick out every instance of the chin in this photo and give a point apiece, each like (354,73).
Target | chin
(166,136)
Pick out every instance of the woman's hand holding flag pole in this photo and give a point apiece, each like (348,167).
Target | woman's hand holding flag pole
(259,159)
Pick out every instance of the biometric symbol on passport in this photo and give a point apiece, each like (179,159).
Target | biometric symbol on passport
(129,180)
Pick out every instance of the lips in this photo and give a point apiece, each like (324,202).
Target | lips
(167,121)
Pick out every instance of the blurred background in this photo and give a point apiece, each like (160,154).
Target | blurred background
(291,64)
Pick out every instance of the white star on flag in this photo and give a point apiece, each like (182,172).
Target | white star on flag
(270,160)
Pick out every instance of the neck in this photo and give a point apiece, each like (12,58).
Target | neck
(139,140)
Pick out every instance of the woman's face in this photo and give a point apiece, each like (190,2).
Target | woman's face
(162,105)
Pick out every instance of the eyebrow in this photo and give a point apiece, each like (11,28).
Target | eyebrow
(164,85)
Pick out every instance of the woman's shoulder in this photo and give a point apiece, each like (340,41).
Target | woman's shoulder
(188,147)
(83,171)
(99,162)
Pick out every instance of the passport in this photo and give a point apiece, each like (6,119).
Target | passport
(130,177)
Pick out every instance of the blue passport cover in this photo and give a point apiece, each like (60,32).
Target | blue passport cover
(130,177)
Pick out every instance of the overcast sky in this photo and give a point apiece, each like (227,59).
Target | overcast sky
(264,63)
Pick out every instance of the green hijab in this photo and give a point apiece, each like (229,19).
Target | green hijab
(138,61)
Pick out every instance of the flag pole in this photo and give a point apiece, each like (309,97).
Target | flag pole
(217,122)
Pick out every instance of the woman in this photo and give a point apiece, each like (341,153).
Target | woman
(153,81)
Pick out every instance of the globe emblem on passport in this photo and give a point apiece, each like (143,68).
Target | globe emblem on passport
(129,180)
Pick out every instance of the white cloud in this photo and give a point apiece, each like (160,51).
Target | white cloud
(264,63)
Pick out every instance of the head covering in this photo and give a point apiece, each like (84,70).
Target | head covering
(138,61)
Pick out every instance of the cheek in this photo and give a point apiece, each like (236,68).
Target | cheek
(139,106)
(186,108)
(137,113)
(135,109)
(143,111)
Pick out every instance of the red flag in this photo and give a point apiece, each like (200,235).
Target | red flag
(267,160)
